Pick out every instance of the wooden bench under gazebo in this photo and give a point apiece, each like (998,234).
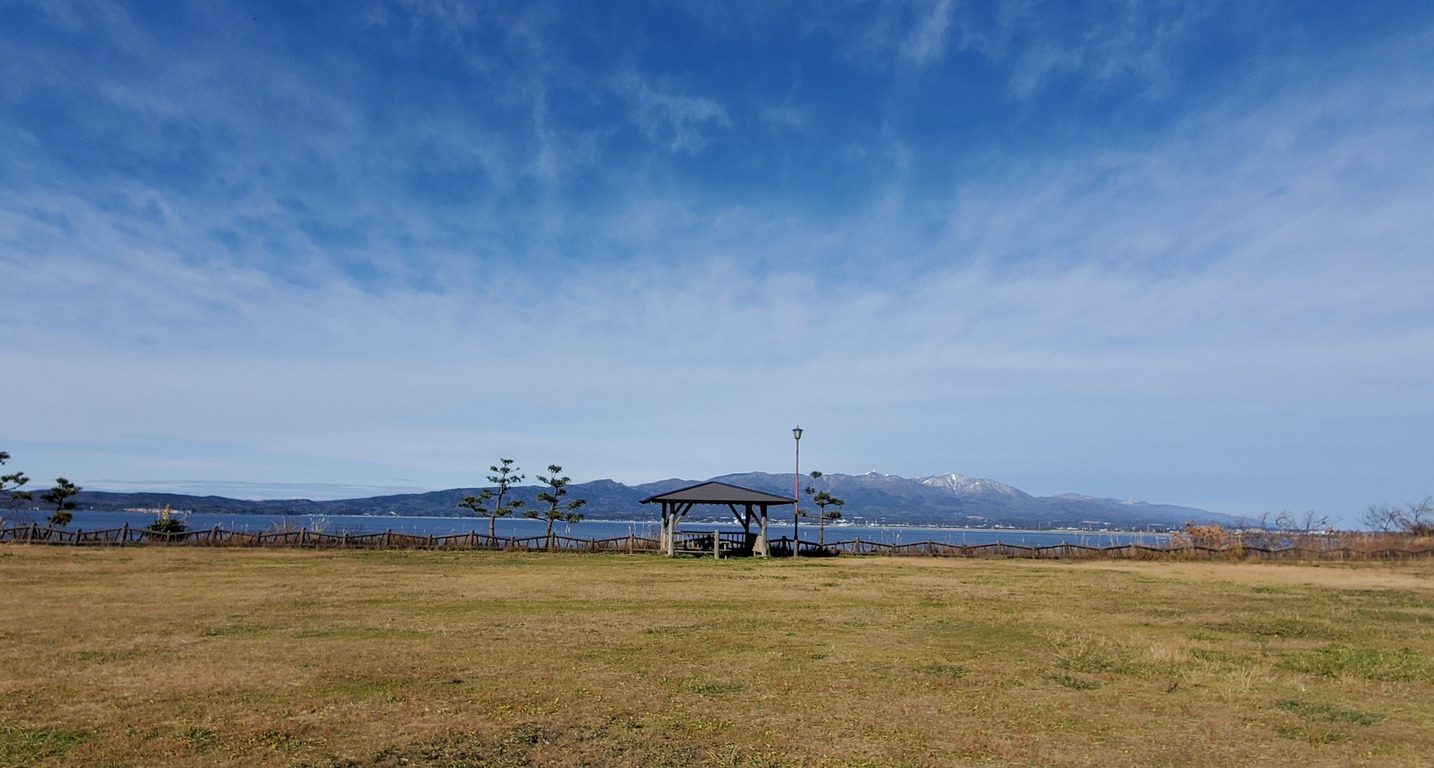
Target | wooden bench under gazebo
(747,505)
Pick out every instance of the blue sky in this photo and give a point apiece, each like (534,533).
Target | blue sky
(1171,251)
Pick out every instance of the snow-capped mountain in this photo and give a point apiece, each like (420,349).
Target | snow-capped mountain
(970,486)
(941,499)
(953,499)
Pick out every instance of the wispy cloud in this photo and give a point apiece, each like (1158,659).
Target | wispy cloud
(926,39)
(1099,42)
(677,120)
(1040,42)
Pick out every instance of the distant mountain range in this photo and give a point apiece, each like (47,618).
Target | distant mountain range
(872,498)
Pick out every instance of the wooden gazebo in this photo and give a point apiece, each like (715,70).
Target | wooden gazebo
(747,505)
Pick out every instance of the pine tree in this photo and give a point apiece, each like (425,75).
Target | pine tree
(504,477)
(823,499)
(567,512)
(60,496)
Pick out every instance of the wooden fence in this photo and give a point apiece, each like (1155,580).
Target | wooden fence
(302,537)
(932,548)
(632,544)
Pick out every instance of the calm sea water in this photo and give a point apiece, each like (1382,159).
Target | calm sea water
(599,529)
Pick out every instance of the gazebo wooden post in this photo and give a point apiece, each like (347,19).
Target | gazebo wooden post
(672,533)
(763,547)
(667,529)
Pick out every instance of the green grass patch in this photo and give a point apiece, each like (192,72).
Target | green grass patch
(234,630)
(1393,615)
(1296,733)
(953,671)
(21,747)
(1276,627)
(1090,664)
(1073,682)
(1327,712)
(1404,664)
(1213,655)
(277,740)
(198,738)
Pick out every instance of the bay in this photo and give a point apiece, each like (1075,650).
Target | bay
(91,520)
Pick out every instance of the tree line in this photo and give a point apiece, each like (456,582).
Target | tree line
(1415,518)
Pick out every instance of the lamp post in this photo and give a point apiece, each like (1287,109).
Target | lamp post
(796,489)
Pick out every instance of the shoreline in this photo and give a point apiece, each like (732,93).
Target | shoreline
(775,520)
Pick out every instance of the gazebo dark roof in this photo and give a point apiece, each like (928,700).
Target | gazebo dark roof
(713,492)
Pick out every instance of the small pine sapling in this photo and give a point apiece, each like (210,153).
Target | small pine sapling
(60,496)
(167,522)
(567,512)
(824,499)
(504,476)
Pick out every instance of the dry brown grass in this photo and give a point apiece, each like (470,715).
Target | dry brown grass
(170,657)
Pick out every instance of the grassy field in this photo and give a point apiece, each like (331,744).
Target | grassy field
(184,657)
